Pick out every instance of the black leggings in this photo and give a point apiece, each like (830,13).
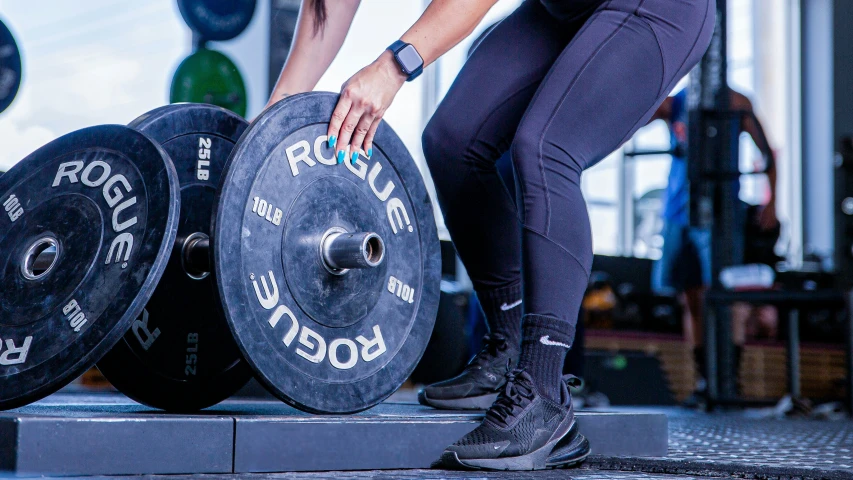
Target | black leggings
(560,95)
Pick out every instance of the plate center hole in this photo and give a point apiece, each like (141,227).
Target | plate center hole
(40,259)
(375,250)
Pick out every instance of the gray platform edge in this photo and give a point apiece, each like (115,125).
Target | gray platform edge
(115,446)
(266,445)
(133,441)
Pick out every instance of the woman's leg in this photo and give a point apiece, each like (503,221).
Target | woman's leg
(604,86)
(472,127)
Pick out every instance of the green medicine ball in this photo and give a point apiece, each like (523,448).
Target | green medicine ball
(208,76)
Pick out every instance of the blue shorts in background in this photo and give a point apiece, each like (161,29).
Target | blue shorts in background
(685,261)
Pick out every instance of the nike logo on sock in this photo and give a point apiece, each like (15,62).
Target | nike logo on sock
(512,305)
(544,340)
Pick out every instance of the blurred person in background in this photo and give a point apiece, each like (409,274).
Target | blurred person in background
(685,264)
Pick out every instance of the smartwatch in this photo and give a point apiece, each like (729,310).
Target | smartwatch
(408,59)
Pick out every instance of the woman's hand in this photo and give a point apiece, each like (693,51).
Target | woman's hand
(364,99)
(367,95)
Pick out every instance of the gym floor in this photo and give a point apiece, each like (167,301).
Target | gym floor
(701,445)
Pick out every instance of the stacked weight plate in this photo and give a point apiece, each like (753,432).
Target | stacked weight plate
(319,278)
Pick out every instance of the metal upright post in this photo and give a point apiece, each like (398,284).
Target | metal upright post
(712,385)
(727,237)
(850,351)
(794,353)
(712,167)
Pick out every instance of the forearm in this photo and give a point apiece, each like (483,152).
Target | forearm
(312,51)
(444,24)
(771,179)
(757,133)
(368,94)
(752,126)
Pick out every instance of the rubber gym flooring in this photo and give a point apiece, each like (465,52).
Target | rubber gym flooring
(737,445)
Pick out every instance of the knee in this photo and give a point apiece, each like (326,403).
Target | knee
(432,145)
(527,157)
(443,147)
(524,149)
(442,139)
(534,152)
(548,180)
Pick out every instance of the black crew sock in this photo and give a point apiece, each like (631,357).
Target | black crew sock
(545,343)
(502,307)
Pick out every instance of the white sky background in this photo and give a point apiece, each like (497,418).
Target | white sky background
(87,63)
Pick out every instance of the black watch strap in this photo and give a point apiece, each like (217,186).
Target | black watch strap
(395,48)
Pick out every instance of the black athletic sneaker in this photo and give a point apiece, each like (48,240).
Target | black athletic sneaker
(570,450)
(477,386)
(520,432)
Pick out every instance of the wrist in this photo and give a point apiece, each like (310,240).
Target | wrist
(388,64)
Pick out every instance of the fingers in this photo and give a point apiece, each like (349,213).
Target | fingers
(354,122)
(346,132)
(358,136)
(368,139)
(342,110)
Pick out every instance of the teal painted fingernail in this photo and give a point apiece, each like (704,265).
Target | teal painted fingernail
(369,152)
(341,156)
(354,157)
(332,141)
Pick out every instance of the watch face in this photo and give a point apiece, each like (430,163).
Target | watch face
(409,59)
